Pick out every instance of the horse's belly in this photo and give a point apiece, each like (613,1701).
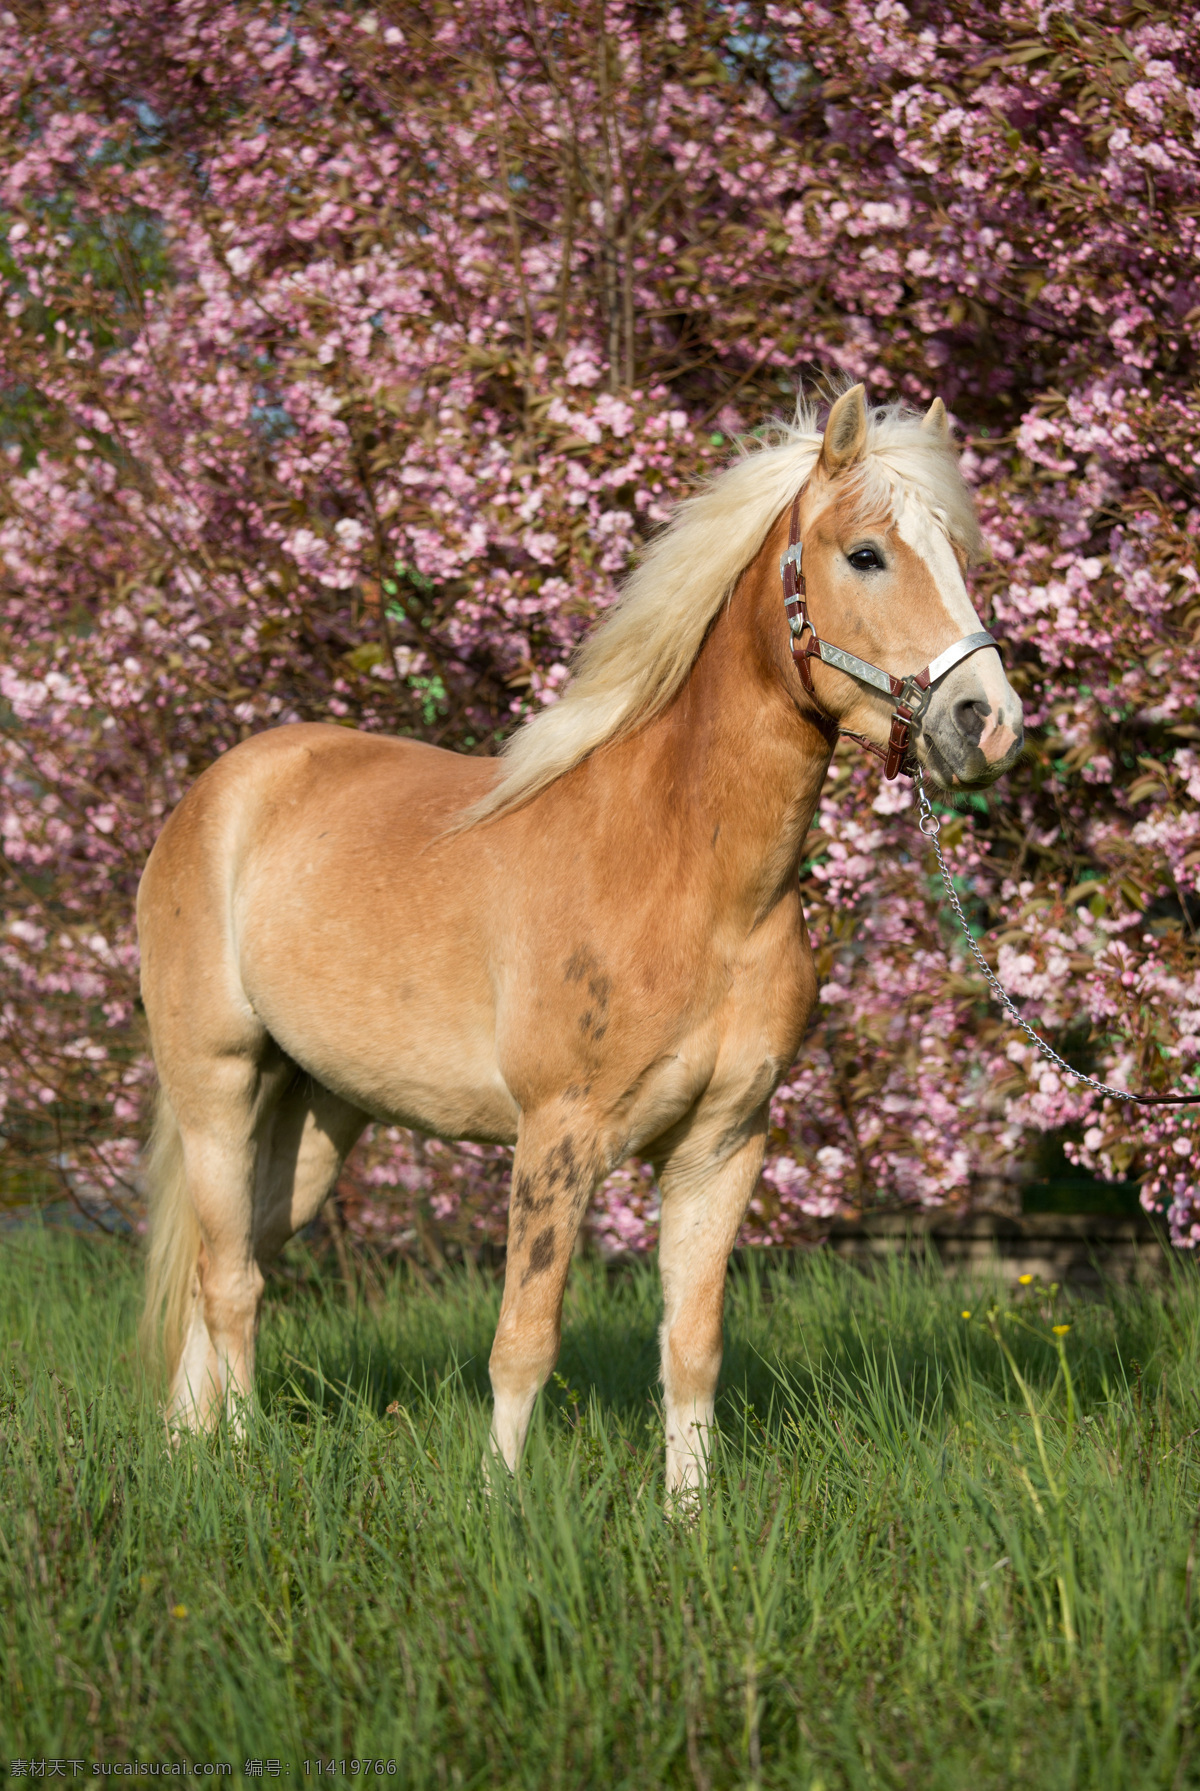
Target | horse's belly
(400,1026)
(444,1092)
(399,1063)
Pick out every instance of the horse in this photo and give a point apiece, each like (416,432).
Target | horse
(589,947)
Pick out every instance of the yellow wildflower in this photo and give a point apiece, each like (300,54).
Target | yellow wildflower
(1061,1330)
(179,1610)
(966,1315)
(1025,1280)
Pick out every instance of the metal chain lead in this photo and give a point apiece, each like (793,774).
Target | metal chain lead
(930,826)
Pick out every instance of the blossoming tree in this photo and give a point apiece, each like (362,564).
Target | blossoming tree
(349,355)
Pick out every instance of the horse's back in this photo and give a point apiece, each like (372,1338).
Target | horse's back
(288,765)
(261,808)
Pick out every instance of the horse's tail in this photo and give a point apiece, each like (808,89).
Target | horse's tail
(174,1243)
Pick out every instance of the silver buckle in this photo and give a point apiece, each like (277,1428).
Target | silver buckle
(915,699)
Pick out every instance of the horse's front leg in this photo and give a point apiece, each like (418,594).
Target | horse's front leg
(555,1168)
(704,1197)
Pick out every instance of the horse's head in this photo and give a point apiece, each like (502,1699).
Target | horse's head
(888,529)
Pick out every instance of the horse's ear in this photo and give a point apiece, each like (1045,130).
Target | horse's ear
(935,422)
(846,431)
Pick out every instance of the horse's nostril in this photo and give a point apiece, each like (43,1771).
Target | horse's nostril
(970,718)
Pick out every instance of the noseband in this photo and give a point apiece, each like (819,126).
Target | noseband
(912,694)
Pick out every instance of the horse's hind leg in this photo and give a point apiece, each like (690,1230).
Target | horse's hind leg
(312,1133)
(254,1180)
(222,1106)
(704,1199)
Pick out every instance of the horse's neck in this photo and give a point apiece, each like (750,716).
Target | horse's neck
(732,771)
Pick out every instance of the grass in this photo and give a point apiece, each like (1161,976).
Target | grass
(929,1556)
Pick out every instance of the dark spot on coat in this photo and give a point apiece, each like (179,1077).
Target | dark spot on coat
(561,1166)
(584,966)
(563,1174)
(580,964)
(526,1205)
(716,831)
(522,1194)
(541,1256)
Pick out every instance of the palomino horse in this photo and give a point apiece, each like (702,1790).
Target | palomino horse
(590,948)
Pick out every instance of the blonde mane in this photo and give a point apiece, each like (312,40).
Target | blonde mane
(632,665)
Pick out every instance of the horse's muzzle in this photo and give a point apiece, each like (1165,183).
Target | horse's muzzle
(967,741)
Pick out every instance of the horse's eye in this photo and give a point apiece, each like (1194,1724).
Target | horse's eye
(865,559)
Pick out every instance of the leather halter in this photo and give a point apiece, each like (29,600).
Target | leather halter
(911,694)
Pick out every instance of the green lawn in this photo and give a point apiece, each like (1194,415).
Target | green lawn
(893,1581)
